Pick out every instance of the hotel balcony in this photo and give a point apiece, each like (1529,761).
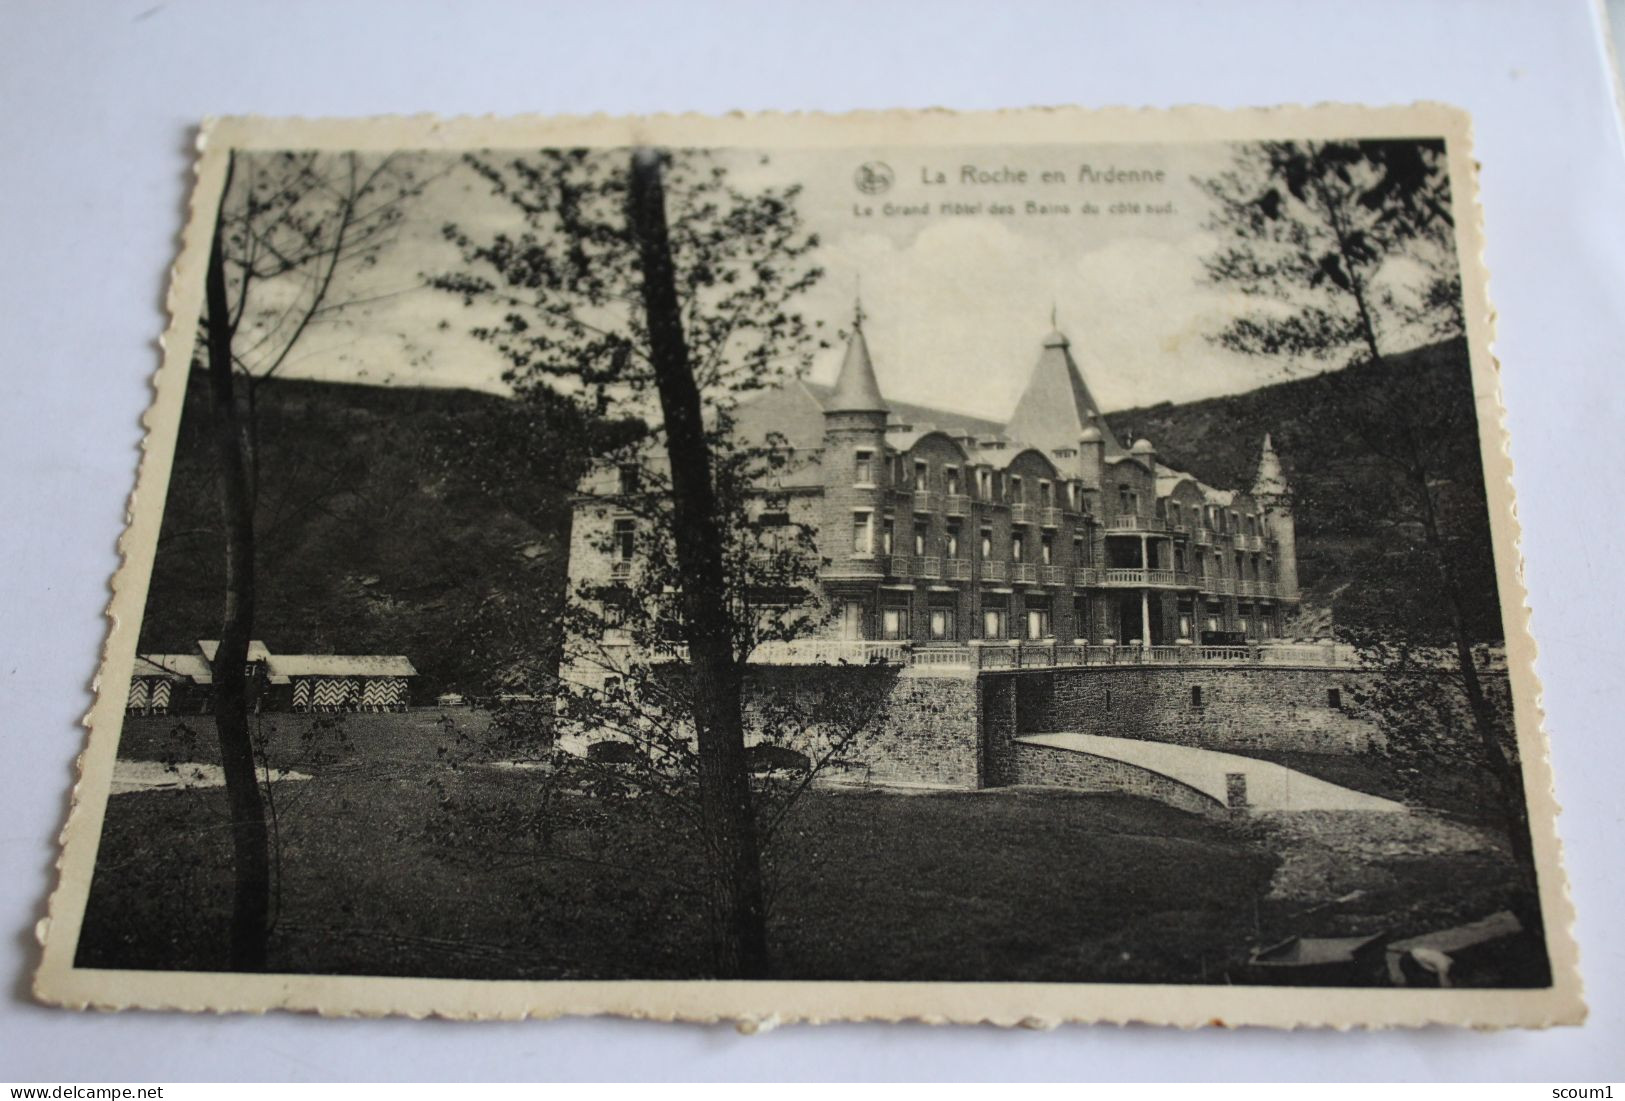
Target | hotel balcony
(1224,586)
(859,567)
(926,501)
(956,569)
(900,566)
(1052,575)
(995,571)
(1024,573)
(1250,542)
(956,504)
(1136,523)
(1084,577)
(1140,579)
(1021,512)
(928,567)
(1049,516)
(1204,537)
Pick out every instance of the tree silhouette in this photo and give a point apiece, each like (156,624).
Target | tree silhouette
(1348,249)
(658,289)
(289,227)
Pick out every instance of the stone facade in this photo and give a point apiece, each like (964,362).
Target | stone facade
(1228,709)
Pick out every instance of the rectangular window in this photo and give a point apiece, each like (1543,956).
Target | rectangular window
(942,623)
(852,620)
(625,539)
(863,536)
(1179,557)
(1334,698)
(951,544)
(993,622)
(1045,494)
(919,539)
(629,479)
(987,543)
(950,480)
(1184,625)
(1123,496)
(922,478)
(1080,618)
(1047,549)
(1080,556)
(1015,488)
(863,468)
(984,484)
(1037,623)
(1016,547)
(1196,695)
(886,536)
(893,623)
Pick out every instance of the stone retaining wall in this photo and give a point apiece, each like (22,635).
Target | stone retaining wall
(1052,767)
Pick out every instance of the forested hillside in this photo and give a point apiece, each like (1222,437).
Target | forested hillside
(1340,543)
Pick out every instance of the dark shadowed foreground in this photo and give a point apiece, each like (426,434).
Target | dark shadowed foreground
(403,856)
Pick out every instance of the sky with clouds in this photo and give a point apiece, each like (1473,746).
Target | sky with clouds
(958,274)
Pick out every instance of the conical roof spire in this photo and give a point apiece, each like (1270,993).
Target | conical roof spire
(856,389)
(1271,482)
(1056,407)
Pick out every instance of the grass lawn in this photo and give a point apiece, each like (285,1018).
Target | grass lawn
(400,856)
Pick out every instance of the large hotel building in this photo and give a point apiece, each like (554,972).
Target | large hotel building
(935,527)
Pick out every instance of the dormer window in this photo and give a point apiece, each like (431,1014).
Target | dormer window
(863,468)
(1046,494)
(1015,488)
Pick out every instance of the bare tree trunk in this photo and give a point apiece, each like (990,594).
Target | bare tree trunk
(725,797)
(250,852)
(1506,772)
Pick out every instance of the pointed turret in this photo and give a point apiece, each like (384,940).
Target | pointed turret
(856,389)
(1270,481)
(1270,491)
(1056,407)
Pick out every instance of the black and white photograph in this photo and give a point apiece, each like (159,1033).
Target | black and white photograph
(997,567)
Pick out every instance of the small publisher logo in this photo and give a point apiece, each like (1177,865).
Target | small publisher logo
(874,178)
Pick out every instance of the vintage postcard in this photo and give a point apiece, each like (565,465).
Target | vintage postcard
(1024,567)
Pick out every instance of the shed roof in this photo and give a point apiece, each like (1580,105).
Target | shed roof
(190,666)
(341,665)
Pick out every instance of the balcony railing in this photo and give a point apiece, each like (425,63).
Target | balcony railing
(1049,516)
(1224,586)
(1204,536)
(1046,653)
(926,501)
(1021,512)
(1085,576)
(620,569)
(1133,578)
(900,565)
(1250,542)
(956,569)
(1136,523)
(995,571)
(1023,573)
(928,567)
(956,504)
(1052,575)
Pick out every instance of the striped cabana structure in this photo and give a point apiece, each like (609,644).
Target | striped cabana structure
(158,680)
(346,682)
(305,682)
